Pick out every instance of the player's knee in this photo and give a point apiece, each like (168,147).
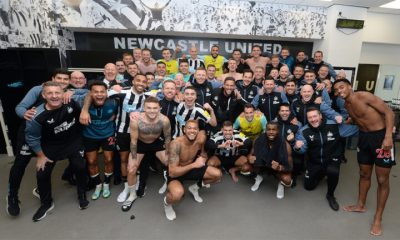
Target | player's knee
(286,179)
(132,170)
(382,180)
(175,194)
(217,175)
(245,167)
(364,175)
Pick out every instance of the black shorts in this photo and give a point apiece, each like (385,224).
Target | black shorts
(156,146)
(123,143)
(91,144)
(228,162)
(369,149)
(195,174)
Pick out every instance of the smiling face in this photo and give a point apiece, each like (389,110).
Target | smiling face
(301,56)
(151,110)
(110,71)
(139,83)
(78,80)
(229,87)
(227,131)
(53,95)
(200,76)
(272,131)
(298,72)
(290,88)
(214,52)
(247,78)
(314,118)
(343,89)
(189,97)
(249,114)
(309,77)
(191,130)
(120,67)
(306,93)
(269,85)
(169,90)
(284,112)
(62,79)
(99,94)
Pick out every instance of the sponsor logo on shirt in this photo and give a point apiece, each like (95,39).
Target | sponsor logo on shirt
(64,126)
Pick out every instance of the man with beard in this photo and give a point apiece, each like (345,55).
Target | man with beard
(225,102)
(257,60)
(269,101)
(100,133)
(229,148)
(251,122)
(190,110)
(271,151)
(215,59)
(320,138)
(186,161)
(375,145)
(145,138)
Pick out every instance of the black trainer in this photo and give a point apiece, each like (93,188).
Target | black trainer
(13,208)
(42,211)
(332,202)
(83,202)
(141,191)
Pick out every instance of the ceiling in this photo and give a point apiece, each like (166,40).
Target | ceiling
(372,5)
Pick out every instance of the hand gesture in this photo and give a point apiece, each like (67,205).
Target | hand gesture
(67,96)
(84,118)
(199,162)
(299,144)
(290,137)
(28,115)
(339,119)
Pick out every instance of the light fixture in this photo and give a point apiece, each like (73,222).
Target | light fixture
(394,5)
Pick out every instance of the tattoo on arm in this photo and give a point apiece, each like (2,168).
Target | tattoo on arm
(175,150)
(134,137)
(167,132)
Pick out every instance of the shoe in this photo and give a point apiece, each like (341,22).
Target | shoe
(42,211)
(332,202)
(164,186)
(124,194)
(280,192)
(169,211)
(294,182)
(97,192)
(13,208)
(194,190)
(69,178)
(106,190)
(258,180)
(126,206)
(83,202)
(141,191)
(35,192)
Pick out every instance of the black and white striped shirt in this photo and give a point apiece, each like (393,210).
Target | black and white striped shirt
(183,114)
(132,102)
(219,139)
(194,64)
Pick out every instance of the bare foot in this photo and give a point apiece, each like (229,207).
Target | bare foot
(354,208)
(232,172)
(376,229)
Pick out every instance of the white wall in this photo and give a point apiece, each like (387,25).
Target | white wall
(382,28)
(377,53)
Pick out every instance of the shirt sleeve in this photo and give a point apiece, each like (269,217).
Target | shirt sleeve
(33,135)
(28,101)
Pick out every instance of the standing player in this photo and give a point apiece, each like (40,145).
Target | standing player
(375,146)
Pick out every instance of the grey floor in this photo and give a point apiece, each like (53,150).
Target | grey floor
(229,211)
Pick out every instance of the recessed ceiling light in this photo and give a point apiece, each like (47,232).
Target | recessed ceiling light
(394,4)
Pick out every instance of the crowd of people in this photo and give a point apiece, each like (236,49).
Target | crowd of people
(196,117)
